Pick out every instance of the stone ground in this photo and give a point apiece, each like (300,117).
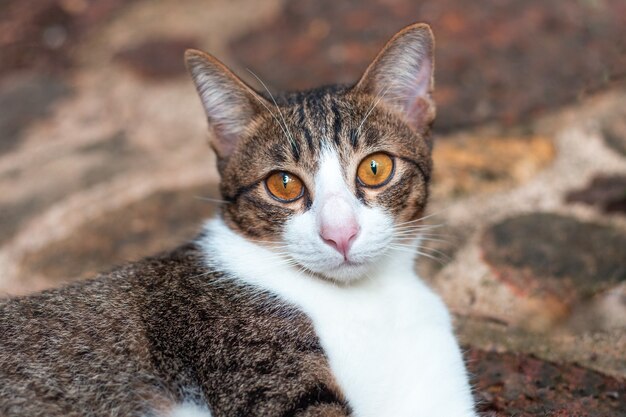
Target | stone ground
(103,159)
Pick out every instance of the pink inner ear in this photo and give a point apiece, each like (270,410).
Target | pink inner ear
(419,112)
(417,106)
(225,141)
(424,77)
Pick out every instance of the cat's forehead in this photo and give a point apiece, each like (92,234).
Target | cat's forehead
(336,117)
(320,113)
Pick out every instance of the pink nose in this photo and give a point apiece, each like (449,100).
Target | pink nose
(338,224)
(340,237)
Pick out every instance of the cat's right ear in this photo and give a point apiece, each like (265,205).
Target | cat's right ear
(401,76)
(229,103)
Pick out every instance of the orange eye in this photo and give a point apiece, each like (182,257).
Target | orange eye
(284,186)
(375,170)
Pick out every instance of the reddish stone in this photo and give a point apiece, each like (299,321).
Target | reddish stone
(513,384)
(495,60)
(614,131)
(41,33)
(607,193)
(159,222)
(24,99)
(109,157)
(543,254)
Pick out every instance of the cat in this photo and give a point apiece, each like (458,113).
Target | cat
(298,299)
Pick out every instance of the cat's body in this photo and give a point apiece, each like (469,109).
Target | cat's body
(299,300)
(122,345)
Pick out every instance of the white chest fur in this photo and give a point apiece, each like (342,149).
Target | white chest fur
(388,338)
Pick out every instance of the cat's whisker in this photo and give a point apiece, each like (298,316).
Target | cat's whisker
(401,239)
(425,232)
(438,212)
(416,252)
(412,222)
(285,132)
(415,229)
(289,135)
(410,246)
(417,233)
(444,255)
(212,200)
(374,104)
(271,244)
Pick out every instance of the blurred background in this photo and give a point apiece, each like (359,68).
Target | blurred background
(103,159)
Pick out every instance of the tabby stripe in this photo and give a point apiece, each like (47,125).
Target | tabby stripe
(337,122)
(240,191)
(317,395)
(295,149)
(354,137)
(305,129)
(418,165)
(317,112)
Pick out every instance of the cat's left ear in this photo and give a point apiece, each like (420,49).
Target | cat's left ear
(402,75)
(229,103)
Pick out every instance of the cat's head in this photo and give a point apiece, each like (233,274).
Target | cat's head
(329,177)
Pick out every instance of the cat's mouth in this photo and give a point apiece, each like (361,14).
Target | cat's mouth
(345,272)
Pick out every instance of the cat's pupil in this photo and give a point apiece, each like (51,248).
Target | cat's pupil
(285,180)
(374,166)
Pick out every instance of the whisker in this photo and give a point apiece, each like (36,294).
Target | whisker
(426,239)
(211,200)
(289,135)
(443,210)
(416,233)
(444,255)
(418,227)
(417,252)
(374,104)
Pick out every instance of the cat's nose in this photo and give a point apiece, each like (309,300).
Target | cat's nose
(340,238)
(339,226)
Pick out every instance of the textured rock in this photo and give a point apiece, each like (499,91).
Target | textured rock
(614,131)
(41,33)
(607,193)
(503,61)
(470,164)
(556,258)
(140,229)
(51,178)
(520,385)
(495,60)
(24,99)
(158,58)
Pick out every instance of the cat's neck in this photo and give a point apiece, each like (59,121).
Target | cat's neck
(227,251)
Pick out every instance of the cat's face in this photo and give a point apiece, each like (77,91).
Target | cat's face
(327,178)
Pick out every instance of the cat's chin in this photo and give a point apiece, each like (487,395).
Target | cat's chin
(346,273)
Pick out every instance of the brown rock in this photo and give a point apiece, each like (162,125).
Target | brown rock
(554,261)
(157,58)
(479,163)
(496,60)
(25,98)
(614,131)
(52,178)
(521,385)
(41,33)
(144,228)
(607,193)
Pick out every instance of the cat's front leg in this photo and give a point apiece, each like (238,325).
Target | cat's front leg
(325,410)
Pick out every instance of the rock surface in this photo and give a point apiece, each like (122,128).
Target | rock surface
(103,157)
(495,60)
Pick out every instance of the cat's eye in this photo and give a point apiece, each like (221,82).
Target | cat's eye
(375,170)
(284,186)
